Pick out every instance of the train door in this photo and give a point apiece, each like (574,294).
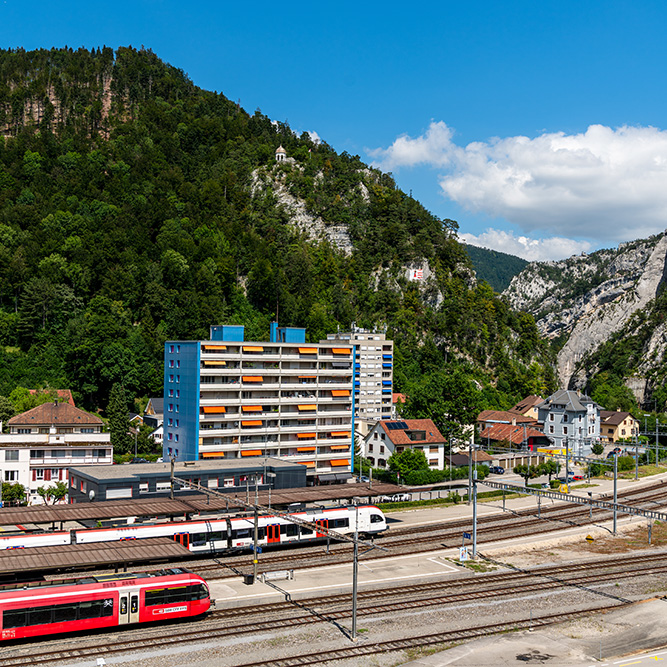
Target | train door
(128,606)
(273,533)
(324,523)
(183,538)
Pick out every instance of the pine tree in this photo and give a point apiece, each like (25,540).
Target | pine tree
(119,421)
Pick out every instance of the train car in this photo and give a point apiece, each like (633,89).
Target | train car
(227,534)
(230,534)
(21,541)
(77,605)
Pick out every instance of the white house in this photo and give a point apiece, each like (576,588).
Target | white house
(43,443)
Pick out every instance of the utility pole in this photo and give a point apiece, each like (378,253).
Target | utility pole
(254,536)
(474,514)
(615,494)
(657,428)
(172,459)
(567,461)
(470,450)
(355,573)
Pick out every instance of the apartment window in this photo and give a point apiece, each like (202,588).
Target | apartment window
(13,455)
(176,437)
(178,378)
(176,407)
(381,449)
(176,423)
(178,349)
(39,473)
(36,453)
(178,363)
(171,363)
(11,475)
(170,422)
(565,418)
(551,416)
(551,429)
(100,453)
(229,481)
(171,378)
(171,407)
(87,430)
(178,393)
(171,393)
(24,430)
(564,430)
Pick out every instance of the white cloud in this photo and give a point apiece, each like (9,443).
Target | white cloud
(533,250)
(314,137)
(604,184)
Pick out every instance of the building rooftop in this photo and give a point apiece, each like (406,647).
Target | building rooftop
(512,433)
(614,417)
(181,468)
(527,403)
(64,395)
(55,413)
(505,417)
(398,431)
(572,401)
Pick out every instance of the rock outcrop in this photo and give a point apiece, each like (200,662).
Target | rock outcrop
(587,298)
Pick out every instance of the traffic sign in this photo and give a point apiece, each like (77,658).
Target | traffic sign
(564,488)
(463,554)
(589,538)
(467,536)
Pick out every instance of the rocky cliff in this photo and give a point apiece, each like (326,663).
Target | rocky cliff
(582,301)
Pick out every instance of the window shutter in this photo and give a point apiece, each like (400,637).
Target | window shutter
(34,475)
(47,475)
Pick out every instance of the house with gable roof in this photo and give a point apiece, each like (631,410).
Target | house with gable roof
(570,420)
(45,442)
(387,437)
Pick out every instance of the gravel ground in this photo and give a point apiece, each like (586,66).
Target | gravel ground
(234,652)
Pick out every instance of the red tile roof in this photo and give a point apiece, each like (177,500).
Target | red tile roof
(514,434)
(507,416)
(613,417)
(395,398)
(400,437)
(55,413)
(527,403)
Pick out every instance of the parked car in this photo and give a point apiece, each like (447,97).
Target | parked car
(138,459)
(577,477)
(497,470)
(365,479)
(612,454)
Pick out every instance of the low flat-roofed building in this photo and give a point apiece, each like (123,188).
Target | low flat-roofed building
(146,480)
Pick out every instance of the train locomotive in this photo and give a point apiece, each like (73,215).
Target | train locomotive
(221,535)
(73,605)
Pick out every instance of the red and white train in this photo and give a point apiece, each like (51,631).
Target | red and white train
(104,601)
(220,535)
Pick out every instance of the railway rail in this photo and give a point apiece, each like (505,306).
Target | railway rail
(253,619)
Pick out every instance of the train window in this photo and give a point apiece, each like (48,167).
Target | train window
(306,531)
(339,523)
(16,618)
(217,535)
(241,533)
(65,612)
(376,518)
(261,533)
(40,616)
(123,606)
(96,608)
(134,604)
(176,594)
(197,539)
(290,530)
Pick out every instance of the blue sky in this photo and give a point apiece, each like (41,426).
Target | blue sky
(538,126)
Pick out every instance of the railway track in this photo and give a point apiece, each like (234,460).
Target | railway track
(426,538)
(255,619)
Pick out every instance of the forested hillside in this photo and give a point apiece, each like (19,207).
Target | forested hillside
(130,214)
(497,268)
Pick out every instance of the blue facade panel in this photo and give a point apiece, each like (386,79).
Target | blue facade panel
(293,335)
(386,365)
(231,333)
(181,400)
(387,356)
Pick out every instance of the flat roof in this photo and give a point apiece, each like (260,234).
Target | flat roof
(90,555)
(181,468)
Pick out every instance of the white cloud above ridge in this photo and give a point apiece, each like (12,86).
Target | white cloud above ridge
(605,184)
(533,250)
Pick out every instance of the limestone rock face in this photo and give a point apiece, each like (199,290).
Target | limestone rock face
(587,298)
(314,227)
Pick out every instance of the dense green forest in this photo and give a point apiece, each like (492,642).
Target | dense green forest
(127,218)
(497,268)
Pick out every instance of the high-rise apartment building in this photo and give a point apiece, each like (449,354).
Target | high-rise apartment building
(228,398)
(373,373)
